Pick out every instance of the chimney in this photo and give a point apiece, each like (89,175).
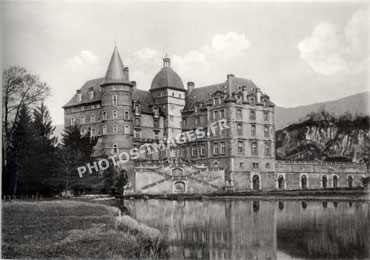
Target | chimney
(244,91)
(133,85)
(258,95)
(191,86)
(78,95)
(230,76)
(125,71)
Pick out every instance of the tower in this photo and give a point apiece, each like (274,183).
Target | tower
(116,110)
(169,93)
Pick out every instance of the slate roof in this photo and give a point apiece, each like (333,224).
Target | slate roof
(167,77)
(204,94)
(145,96)
(115,73)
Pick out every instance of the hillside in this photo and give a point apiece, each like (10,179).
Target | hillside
(355,104)
(326,137)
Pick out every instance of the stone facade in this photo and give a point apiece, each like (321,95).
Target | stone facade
(125,117)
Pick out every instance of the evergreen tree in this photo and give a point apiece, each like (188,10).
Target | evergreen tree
(45,169)
(16,174)
(77,150)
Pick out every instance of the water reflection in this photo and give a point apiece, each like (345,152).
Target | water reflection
(258,229)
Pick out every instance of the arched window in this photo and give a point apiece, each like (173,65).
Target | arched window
(324,181)
(255,182)
(335,181)
(281,182)
(104,115)
(350,181)
(304,182)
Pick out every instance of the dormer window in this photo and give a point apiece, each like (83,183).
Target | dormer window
(252,101)
(79,96)
(196,109)
(91,94)
(136,109)
(156,112)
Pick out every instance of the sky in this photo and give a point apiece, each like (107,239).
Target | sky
(297,53)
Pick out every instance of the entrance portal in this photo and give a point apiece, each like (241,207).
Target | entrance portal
(256,182)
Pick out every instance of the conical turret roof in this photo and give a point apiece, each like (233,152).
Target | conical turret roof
(115,73)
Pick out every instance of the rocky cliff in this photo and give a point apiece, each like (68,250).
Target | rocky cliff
(325,137)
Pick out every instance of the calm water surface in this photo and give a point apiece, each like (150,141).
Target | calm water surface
(247,229)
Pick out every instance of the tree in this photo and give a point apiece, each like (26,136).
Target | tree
(77,150)
(20,151)
(20,89)
(46,167)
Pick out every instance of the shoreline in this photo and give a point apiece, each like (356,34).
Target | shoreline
(313,194)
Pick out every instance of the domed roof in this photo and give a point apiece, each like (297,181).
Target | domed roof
(167,78)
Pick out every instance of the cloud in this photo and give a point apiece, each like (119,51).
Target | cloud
(200,65)
(80,62)
(329,50)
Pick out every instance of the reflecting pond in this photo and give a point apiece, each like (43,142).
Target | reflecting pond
(260,229)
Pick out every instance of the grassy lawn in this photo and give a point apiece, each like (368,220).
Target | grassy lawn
(64,229)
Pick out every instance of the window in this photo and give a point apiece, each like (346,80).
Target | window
(183,151)
(240,129)
(193,151)
(171,118)
(239,113)
(97,105)
(92,118)
(114,114)
(215,101)
(268,148)
(240,146)
(105,116)
(115,148)
(137,121)
(82,108)
(222,113)
(215,148)
(195,108)
(255,165)
(137,133)
(73,121)
(254,148)
(82,120)
(92,106)
(252,101)
(104,129)
(137,110)
(266,115)
(252,115)
(91,94)
(115,129)
(92,132)
(265,102)
(241,165)
(267,165)
(215,117)
(127,129)
(127,117)
(156,123)
(179,95)
(221,100)
(148,152)
(114,100)
(155,135)
(266,130)
(222,147)
(197,120)
(173,94)
(156,112)
(253,130)
(203,150)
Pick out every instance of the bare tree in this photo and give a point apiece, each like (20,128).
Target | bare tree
(20,88)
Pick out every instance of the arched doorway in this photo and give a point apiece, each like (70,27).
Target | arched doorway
(255,182)
(350,181)
(304,182)
(281,182)
(324,181)
(335,181)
